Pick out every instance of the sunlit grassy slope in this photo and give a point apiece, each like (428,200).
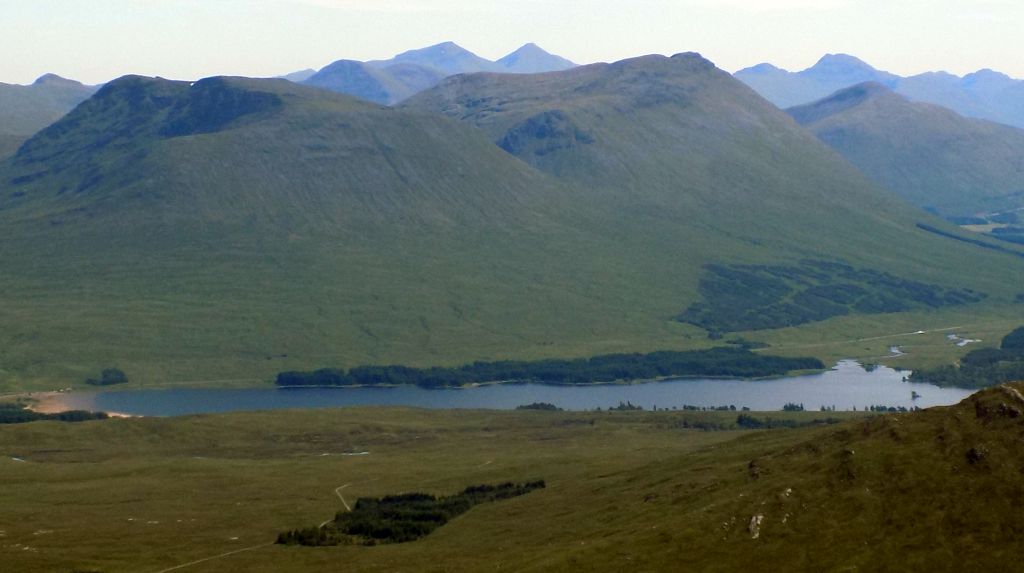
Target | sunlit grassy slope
(935,490)
(223,231)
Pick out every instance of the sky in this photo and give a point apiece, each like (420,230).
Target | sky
(97,40)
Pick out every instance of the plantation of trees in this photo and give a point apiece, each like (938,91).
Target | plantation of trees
(715,362)
(11,413)
(401,518)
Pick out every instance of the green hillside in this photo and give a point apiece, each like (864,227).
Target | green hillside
(928,155)
(927,491)
(224,231)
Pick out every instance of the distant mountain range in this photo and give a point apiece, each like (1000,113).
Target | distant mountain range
(238,227)
(985,94)
(24,110)
(391,81)
(929,155)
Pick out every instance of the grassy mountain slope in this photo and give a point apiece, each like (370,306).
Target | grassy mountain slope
(921,492)
(25,110)
(928,491)
(681,142)
(232,229)
(314,221)
(929,155)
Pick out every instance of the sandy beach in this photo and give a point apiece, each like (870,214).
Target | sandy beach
(46,402)
(57,402)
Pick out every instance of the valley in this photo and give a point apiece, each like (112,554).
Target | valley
(281,291)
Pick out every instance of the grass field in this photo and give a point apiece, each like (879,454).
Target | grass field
(865,338)
(147,495)
(926,491)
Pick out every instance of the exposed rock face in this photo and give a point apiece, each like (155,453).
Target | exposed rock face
(755,526)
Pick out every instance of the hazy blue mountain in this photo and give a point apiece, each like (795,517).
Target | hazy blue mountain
(414,77)
(24,110)
(985,94)
(448,57)
(831,73)
(532,59)
(388,85)
(392,81)
(299,76)
(929,155)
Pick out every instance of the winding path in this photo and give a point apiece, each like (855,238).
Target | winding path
(337,491)
(205,559)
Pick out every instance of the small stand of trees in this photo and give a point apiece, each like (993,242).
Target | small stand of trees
(540,406)
(109,377)
(723,362)
(11,413)
(401,518)
(748,422)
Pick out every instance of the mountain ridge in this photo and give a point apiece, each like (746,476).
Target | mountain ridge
(984,94)
(395,80)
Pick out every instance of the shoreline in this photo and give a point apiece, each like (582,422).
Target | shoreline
(44,402)
(54,403)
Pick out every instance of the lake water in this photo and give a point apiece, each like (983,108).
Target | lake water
(846,386)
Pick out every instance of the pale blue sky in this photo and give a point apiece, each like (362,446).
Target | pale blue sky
(97,40)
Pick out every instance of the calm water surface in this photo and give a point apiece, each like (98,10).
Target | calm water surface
(846,386)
